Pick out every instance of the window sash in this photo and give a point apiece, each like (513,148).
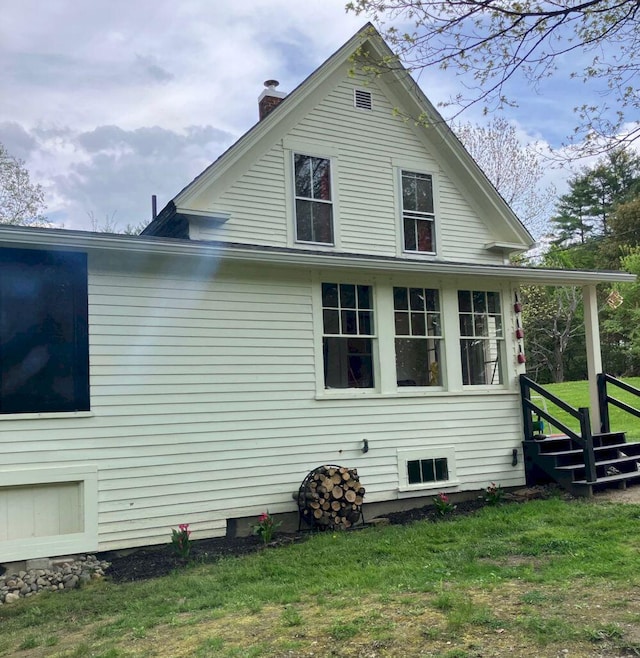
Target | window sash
(313,199)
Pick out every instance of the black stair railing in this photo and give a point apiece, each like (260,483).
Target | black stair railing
(604,399)
(584,439)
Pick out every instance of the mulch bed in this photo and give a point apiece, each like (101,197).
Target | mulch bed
(144,563)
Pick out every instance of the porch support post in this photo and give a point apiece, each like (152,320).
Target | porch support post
(594,356)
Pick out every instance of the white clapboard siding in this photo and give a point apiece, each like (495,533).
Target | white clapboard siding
(368,148)
(205,407)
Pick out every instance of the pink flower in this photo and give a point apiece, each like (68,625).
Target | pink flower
(184,527)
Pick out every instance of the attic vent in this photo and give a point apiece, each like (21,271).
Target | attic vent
(362,99)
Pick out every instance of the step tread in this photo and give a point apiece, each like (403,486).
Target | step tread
(577,451)
(604,462)
(610,478)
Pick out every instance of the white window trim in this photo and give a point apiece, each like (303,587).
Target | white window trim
(291,147)
(413,166)
(506,370)
(318,329)
(405,455)
(442,338)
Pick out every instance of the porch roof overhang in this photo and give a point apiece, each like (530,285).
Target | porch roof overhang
(17,236)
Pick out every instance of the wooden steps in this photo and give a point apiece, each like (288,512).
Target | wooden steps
(560,459)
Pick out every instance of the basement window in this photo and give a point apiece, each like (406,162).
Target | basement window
(429,468)
(362,99)
(424,471)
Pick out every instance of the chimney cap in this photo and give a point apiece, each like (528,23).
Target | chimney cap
(271,84)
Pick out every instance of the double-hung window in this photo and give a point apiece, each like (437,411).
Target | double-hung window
(348,335)
(44,351)
(481,337)
(314,207)
(418,332)
(418,216)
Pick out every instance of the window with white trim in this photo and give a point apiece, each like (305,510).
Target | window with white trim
(481,337)
(348,335)
(418,341)
(426,468)
(418,215)
(314,207)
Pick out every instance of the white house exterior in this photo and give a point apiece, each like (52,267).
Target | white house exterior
(339,276)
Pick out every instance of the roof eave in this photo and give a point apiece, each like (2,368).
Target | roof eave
(13,236)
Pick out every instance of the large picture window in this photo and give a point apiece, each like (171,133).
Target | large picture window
(481,337)
(314,208)
(418,215)
(418,336)
(348,332)
(44,352)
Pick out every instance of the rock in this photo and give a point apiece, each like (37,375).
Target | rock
(72,583)
(12,597)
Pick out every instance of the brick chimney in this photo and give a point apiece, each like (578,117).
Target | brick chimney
(270,98)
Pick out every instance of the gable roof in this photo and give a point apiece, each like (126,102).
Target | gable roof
(366,42)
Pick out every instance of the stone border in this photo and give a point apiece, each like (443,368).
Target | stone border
(62,575)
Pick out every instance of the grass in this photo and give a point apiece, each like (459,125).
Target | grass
(530,579)
(577,395)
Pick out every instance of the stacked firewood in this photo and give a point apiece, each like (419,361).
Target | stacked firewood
(331,497)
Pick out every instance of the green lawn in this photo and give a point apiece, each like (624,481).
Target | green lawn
(519,580)
(577,395)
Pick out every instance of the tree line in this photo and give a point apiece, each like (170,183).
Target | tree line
(596,225)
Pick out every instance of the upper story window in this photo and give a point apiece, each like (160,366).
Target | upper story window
(418,336)
(418,217)
(481,337)
(44,347)
(314,208)
(348,332)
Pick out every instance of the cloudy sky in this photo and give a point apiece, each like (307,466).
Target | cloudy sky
(111,101)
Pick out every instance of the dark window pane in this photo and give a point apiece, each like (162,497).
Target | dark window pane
(364,297)
(416,296)
(413,471)
(365,322)
(433,324)
(400,299)
(347,295)
(417,362)
(304,230)
(330,294)
(493,302)
(44,357)
(480,325)
(433,303)
(466,324)
(410,243)
(303,175)
(360,362)
(479,302)
(331,320)
(464,301)
(425,235)
(442,469)
(321,179)
(418,327)
(428,472)
(402,324)
(408,191)
(349,323)
(424,194)
(322,222)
